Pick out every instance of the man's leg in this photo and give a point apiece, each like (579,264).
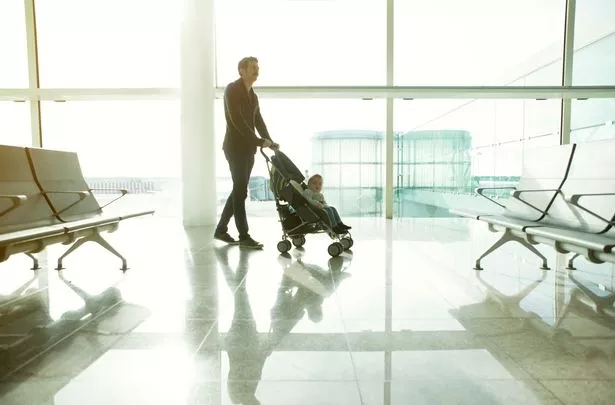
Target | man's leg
(241,171)
(221,232)
(227,214)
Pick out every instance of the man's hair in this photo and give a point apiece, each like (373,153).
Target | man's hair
(243,64)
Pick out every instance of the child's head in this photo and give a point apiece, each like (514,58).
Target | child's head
(315,183)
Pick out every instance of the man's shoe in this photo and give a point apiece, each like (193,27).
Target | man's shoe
(225,237)
(250,243)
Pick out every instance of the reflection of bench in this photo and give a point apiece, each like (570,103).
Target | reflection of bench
(45,200)
(565,198)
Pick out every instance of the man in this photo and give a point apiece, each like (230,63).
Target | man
(242,114)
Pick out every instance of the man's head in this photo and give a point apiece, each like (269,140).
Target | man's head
(248,69)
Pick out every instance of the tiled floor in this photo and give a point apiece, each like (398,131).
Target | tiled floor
(402,319)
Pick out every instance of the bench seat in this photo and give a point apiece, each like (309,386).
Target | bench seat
(45,200)
(511,223)
(571,191)
(595,242)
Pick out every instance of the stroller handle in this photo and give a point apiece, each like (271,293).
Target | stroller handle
(267,158)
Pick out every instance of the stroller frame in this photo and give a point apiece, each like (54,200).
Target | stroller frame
(294,225)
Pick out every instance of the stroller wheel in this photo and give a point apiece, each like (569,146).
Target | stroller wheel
(346,243)
(284,246)
(299,241)
(335,249)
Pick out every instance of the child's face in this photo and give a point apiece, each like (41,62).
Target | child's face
(316,185)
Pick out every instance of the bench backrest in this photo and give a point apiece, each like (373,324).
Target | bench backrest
(544,168)
(16,179)
(59,175)
(592,171)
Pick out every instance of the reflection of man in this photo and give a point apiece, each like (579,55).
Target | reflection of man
(242,113)
(245,353)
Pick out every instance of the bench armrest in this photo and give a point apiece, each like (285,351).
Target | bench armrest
(16,199)
(574,200)
(481,189)
(82,194)
(122,192)
(517,195)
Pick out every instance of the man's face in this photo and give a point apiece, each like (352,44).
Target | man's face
(250,72)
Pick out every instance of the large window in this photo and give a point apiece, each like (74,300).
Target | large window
(592,120)
(301,43)
(112,43)
(477,42)
(13,47)
(447,148)
(122,144)
(593,64)
(594,43)
(15,123)
(341,139)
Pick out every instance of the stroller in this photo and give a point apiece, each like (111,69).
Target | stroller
(299,217)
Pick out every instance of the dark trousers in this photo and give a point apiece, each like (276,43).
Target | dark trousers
(241,165)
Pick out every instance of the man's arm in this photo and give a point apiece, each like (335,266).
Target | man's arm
(233,101)
(260,125)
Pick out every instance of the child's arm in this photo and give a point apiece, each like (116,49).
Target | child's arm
(310,197)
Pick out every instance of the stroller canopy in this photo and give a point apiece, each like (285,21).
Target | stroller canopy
(282,171)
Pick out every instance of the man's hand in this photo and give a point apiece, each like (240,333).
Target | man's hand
(275,146)
(267,143)
(318,204)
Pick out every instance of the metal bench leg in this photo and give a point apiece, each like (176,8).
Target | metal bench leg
(532,249)
(571,262)
(508,237)
(35,266)
(94,238)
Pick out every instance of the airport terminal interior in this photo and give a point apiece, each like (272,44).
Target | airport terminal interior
(468,145)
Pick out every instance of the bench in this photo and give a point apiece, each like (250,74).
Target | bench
(565,199)
(45,200)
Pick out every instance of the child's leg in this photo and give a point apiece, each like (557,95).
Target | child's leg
(336,215)
(332,219)
(338,219)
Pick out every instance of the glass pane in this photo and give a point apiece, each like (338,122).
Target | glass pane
(592,120)
(445,149)
(15,124)
(331,142)
(122,144)
(474,42)
(594,43)
(13,45)
(301,43)
(113,43)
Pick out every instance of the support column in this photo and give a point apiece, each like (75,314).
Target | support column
(33,76)
(198,149)
(389,183)
(566,109)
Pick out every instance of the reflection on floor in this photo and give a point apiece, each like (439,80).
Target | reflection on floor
(402,318)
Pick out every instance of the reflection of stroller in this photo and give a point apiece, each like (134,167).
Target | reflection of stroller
(299,217)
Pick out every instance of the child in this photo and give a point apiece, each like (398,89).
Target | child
(313,195)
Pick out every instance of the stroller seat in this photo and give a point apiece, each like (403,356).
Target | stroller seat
(299,217)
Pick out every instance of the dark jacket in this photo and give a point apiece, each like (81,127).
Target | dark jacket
(242,114)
